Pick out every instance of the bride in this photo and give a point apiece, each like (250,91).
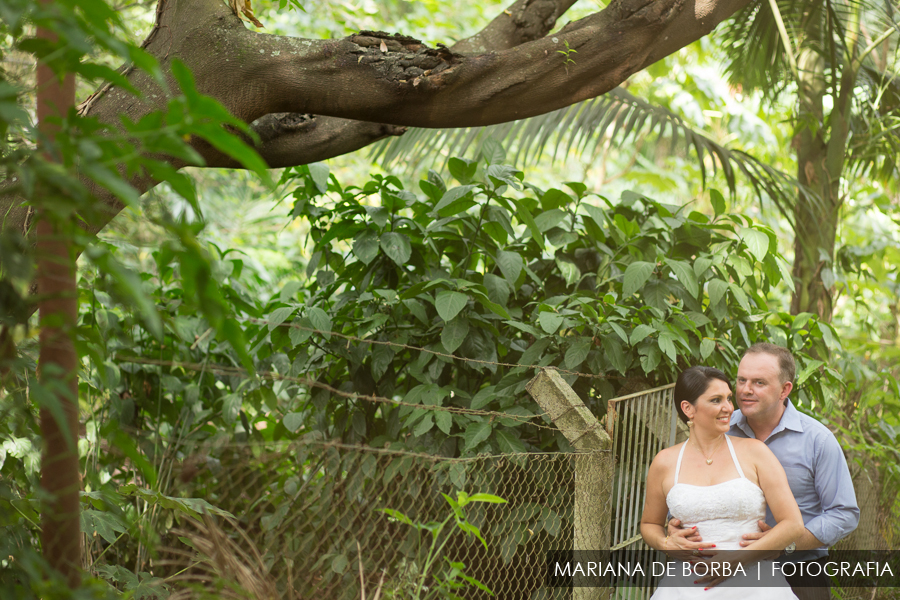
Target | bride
(719,486)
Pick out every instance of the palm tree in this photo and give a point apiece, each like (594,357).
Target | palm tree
(835,60)
(838,58)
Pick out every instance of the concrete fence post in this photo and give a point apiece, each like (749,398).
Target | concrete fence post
(593,469)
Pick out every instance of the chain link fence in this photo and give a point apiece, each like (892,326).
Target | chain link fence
(330,521)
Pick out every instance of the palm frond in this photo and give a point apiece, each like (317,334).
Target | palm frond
(618,118)
(756,57)
(874,144)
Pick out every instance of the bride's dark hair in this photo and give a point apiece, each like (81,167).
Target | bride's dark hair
(692,383)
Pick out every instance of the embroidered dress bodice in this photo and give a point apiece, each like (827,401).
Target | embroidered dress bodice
(723,512)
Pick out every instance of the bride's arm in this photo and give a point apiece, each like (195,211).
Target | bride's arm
(774,484)
(653,520)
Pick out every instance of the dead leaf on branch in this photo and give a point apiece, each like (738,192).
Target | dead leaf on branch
(244,11)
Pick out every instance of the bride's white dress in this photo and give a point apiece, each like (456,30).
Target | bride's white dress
(722,513)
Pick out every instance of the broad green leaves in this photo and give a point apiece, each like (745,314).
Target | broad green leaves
(636,275)
(397,247)
(448,304)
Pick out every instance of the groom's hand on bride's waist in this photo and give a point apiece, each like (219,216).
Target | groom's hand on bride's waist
(685,543)
(749,538)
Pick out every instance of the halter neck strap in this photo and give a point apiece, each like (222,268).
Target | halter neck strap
(737,464)
(678,464)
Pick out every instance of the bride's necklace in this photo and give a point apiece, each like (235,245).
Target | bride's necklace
(709,460)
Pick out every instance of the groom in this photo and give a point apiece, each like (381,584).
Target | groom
(811,456)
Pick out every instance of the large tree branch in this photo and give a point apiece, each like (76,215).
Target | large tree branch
(378,78)
(285,139)
(397,80)
(289,139)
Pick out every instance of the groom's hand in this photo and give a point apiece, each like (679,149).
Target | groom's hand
(749,538)
(675,527)
(686,543)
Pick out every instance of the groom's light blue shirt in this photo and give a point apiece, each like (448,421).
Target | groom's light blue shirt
(817,473)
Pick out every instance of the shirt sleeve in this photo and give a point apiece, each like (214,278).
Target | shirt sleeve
(840,512)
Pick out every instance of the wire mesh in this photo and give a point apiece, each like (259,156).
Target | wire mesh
(310,521)
(640,425)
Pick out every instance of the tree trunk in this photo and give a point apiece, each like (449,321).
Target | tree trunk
(354,85)
(57,375)
(821,154)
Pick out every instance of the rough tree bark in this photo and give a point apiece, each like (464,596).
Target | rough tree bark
(821,155)
(58,309)
(316,99)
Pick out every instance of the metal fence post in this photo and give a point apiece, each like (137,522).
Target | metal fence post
(593,472)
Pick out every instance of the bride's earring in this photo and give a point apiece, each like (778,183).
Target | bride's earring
(690,422)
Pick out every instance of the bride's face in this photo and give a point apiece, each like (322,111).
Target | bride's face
(712,410)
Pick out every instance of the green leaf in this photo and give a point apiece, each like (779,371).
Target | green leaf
(668,346)
(103,523)
(492,152)
(416,309)
(569,271)
(449,303)
(462,169)
(614,353)
(757,242)
(656,294)
(549,219)
(706,348)
(476,433)
(397,247)
(292,421)
(786,275)
(741,296)
(640,332)
(497,289)
(301,330)
(636,275)
(550,321)
(424,425)
(718,201)
(534,351)
(482,398)
(319,173)
(451,196)
(365,246)
(701,264)
(489,498)
(619,331)
(320,320)
(279,316)
(444,421)
(382,355)
(685,274)
(508,442)
(577,352)
(800,321)
(525,217)
(339,564)
(454,333)
(396,514)
(807,371)
(716,289)
(510,264)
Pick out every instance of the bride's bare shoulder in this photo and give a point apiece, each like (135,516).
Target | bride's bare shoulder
(667,457)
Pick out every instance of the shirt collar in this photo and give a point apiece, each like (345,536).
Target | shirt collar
(790,419)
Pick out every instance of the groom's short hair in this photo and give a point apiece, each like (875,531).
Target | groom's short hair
(786,364)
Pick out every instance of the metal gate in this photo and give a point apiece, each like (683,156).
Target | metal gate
(640,425)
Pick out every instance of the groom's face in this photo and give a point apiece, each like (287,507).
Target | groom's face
(760,391)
